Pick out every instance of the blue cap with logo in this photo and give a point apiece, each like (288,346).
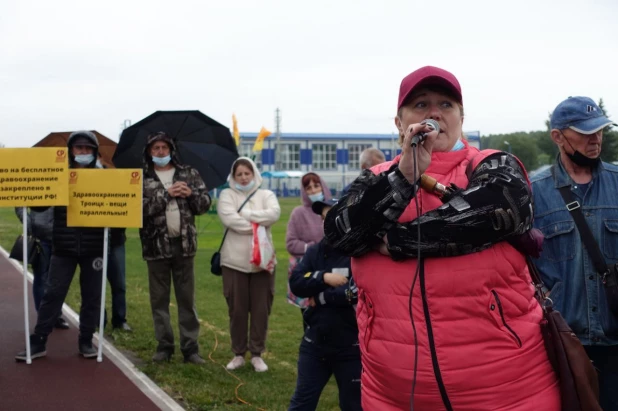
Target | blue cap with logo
(580,114)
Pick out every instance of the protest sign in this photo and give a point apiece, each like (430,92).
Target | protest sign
(34,177)
(105,198)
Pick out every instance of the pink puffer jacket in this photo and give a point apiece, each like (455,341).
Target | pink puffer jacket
(477,323)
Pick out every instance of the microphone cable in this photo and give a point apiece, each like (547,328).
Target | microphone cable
(416,273)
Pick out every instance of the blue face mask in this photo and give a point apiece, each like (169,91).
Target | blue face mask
(162,161)
(458,145)
(84,159)
(246,187)
(316,197)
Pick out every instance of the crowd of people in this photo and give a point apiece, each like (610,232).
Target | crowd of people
(411,297)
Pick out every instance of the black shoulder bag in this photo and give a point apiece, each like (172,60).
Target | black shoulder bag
(215,261)
(608,274)
(17,251)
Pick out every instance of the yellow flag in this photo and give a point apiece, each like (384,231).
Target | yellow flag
(259,141)
(236,133)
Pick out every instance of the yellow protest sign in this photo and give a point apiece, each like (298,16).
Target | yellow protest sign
(34,177)
(105,198)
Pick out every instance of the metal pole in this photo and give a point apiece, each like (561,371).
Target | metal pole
(278,139)
(103,284)
(25,268)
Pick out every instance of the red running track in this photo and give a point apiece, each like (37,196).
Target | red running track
(62,380)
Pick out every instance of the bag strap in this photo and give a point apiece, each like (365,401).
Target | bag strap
(540,291)
(536,279)
(238,211)
(584,230)
(534,273)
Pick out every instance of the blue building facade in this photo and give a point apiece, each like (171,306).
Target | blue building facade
(334,156)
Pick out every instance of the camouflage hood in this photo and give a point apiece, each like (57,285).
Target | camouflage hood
(147,158)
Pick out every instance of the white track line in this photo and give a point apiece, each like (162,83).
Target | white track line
(141,380)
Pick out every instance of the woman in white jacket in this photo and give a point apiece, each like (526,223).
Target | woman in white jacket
(247,288)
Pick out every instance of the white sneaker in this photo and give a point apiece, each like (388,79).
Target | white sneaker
(236,362)
(259,364)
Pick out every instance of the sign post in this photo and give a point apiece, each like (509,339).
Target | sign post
(105,198)
(31,177)
(25,275)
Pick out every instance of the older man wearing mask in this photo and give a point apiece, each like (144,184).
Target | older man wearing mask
(568,267)
(174,193)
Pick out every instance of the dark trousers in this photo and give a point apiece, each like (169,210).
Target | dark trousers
(40,270)
(302,314)
(160,274)
(116,275)
(316,364)
(61,272)
(605,360)
(248,293)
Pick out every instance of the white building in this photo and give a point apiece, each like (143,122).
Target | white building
(335,157)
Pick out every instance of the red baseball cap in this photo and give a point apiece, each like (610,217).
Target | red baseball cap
(429,76)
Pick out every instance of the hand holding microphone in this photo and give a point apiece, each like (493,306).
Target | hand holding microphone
(421,137)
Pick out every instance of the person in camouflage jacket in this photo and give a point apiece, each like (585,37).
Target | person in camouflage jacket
(174,194)
(154,235)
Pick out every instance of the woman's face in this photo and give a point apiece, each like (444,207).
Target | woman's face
(313,188)
(426,104)
(243,175)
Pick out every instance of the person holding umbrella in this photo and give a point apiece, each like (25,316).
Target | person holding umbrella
(174,193)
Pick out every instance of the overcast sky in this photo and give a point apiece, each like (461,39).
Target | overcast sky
(330,66)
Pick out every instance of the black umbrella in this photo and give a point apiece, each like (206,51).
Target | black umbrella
(202,143)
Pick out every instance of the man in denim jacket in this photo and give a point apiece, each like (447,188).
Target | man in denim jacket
(566,267)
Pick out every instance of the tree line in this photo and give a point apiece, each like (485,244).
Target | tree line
(536,148)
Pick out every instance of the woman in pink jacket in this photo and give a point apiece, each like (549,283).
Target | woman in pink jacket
(446,314)
(305,228)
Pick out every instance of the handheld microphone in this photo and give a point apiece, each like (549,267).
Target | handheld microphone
(420,137)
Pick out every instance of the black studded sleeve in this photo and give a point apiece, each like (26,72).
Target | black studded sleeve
(372,206)
(495,206)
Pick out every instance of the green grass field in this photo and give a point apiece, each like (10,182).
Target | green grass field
(211,386)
